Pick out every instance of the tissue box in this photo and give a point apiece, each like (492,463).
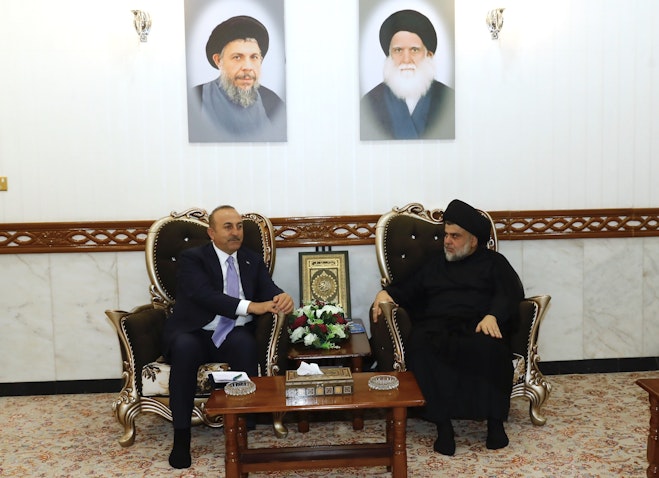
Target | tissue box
(333,381)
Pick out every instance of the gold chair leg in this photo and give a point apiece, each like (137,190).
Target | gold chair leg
(278,424)
(125,414)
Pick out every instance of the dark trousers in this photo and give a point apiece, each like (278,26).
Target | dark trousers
(190,350)
(462,374)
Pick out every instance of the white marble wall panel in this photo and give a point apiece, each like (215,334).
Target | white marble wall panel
(651,297)
(556,268)
(613,293)
(26,319)
(83,287)
(604,302)
(286,274)
(133,281)
(512,250)
(364,281)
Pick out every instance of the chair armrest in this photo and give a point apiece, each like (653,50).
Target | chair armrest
(524,340)
(140,336)
(272,342)
(388,337)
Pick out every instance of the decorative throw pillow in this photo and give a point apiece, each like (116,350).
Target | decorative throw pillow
(155,378)
(519,369)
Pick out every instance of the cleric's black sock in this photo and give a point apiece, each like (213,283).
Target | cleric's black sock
(496,435)
(445,443)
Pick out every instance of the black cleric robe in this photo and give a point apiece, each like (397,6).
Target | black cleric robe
(462,374)
(384,116)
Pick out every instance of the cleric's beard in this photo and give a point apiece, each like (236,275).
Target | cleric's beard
(409,84)
(459,254)
(240,96)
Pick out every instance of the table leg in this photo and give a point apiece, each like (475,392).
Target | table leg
(389,430)
(399,459)
(231,445)
(653,438)
(356,365)
(303,422)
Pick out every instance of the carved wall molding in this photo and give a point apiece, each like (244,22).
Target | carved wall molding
(108,236)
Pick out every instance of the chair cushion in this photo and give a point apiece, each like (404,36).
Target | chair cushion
(155,378)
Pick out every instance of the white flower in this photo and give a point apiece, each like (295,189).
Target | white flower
(318,312)
(309,339)
(298,333)
(331,308)
(337,330)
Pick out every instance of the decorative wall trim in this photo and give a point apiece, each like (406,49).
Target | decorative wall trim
(108,236)
(325,230)
(576,223)
(23,238)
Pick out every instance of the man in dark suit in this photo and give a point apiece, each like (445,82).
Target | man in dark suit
(203,304)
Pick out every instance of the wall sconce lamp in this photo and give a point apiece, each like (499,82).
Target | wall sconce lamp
(494,21)
(142,22)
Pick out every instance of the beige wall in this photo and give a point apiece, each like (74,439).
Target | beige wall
(560,113)
(604,302)
(557,114)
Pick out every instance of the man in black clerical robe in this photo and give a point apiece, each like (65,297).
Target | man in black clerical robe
(235,107)
(409,103)
(467,302)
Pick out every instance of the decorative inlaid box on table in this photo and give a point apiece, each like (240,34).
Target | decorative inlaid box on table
(333,381)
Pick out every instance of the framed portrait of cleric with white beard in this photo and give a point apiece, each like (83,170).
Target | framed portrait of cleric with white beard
(407,70)
(235,68)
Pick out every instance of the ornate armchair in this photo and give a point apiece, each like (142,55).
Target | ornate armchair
(145,374)
(404,237)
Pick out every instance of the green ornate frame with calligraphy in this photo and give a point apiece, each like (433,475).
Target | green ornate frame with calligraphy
(325,276)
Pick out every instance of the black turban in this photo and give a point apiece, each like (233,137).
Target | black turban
(236,28)
(468,218)
(408,21)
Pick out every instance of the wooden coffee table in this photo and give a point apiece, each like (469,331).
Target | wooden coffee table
(270,397)
(651,385)
(354,349)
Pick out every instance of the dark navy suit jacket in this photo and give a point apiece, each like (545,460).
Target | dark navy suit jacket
(199,292)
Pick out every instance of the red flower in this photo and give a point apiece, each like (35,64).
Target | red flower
(318,328)
(339,319)
(301,321)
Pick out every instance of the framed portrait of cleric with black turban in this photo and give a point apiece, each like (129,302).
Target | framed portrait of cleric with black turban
(235,68)
(407,70)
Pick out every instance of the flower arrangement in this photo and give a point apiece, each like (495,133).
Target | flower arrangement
(318,324)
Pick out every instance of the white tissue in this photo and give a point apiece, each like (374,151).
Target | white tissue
(309,369)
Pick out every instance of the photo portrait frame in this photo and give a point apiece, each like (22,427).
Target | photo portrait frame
(325,276)
(390,105)
(218,114)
